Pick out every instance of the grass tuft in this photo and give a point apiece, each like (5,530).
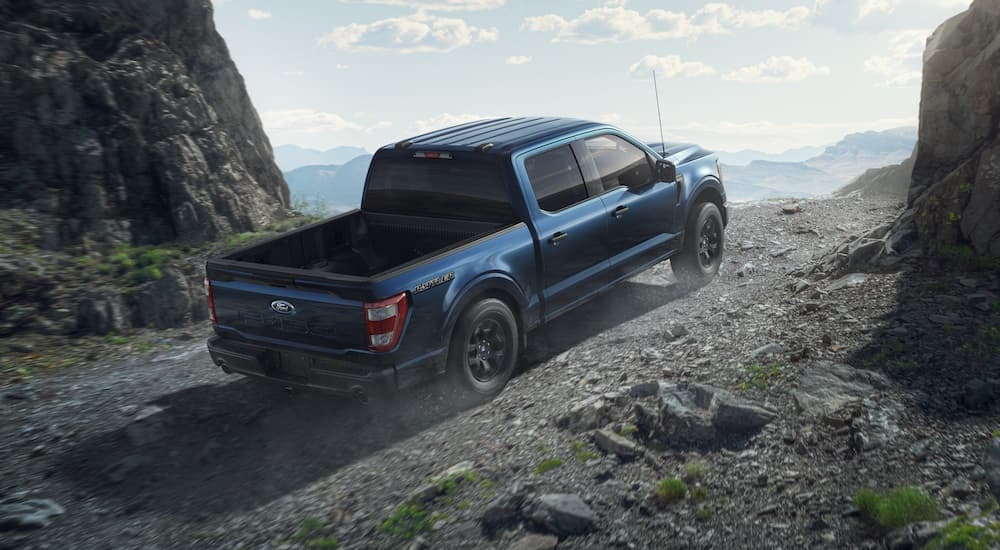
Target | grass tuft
(409,520)
(548,465)
(962,534)
(581,452)
(695,470)
(899,507)
(670,490)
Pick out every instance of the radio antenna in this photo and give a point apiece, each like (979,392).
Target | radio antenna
(659,117)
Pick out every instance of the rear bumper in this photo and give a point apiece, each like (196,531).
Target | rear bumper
(302,370)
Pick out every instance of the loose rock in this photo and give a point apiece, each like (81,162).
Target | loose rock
(564,514)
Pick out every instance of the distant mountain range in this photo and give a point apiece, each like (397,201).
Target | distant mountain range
(746,156)
(332,188)
(821,174)
(337,184)
(290,157)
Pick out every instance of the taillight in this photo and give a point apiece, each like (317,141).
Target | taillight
(718,168)
(384,321)
(211,300)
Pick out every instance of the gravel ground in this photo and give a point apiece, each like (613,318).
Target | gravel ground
(165,451)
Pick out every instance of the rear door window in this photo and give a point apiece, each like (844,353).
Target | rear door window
(556,179)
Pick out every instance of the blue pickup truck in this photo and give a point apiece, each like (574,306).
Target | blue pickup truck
(467,239)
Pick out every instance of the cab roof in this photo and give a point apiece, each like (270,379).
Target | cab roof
(497,135)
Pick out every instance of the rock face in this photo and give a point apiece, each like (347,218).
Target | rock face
(953,199)
(956,177)
(128,123)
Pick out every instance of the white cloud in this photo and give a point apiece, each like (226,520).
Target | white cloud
(902,65)
(257,14)
(782,68)
(669,66)
(518,59)
(416,33)
(444,120)
(380,125)
(436,5)
(615,23)
(306,121)
(294,73)
(869,7)
(341,67)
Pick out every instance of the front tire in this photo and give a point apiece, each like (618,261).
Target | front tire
(484,349)
(704,241)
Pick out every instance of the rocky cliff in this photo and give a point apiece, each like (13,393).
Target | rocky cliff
(954,193)
(128,123)
(955,188)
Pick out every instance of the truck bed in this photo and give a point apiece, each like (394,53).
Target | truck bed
(363,244)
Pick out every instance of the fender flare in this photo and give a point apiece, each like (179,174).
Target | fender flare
(493,281)
(708,184)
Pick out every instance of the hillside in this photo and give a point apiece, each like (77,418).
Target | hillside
(337,188)
(292,157)
(891,181)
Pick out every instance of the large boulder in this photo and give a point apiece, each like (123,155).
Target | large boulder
(563,514)
(692,412)
(165,302)
(827,388)
(127,122)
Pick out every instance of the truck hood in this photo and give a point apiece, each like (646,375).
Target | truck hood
(679,153)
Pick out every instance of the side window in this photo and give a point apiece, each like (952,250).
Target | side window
(619,162)
(556,179)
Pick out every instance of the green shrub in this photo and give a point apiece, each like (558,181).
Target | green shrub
(704,513)
(409,520)
(628,429)
(899,507)
(307,535)
(699,494)
(962,534)
(548,464)
(670,490)
(581,452)
(695,470)
(759,377)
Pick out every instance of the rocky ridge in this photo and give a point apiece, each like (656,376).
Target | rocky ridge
(132,147)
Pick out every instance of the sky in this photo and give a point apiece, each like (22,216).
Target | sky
(765,75)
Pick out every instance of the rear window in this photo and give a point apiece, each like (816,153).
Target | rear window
(438,188)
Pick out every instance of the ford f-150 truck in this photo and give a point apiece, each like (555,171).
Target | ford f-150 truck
(467,238)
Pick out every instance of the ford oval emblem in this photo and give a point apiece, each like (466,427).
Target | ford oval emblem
(282,307)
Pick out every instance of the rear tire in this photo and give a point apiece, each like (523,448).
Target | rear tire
(484,349)
(704,243)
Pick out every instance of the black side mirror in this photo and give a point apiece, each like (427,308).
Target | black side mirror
(666,171)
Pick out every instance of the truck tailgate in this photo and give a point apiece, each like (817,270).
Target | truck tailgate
(299,313)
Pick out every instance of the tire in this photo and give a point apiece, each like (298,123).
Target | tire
(484,349)
(704,242)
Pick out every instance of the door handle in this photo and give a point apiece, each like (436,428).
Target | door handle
(620,211)
(560,235)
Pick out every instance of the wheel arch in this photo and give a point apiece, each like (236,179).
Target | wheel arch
(709,189)
(491,285)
